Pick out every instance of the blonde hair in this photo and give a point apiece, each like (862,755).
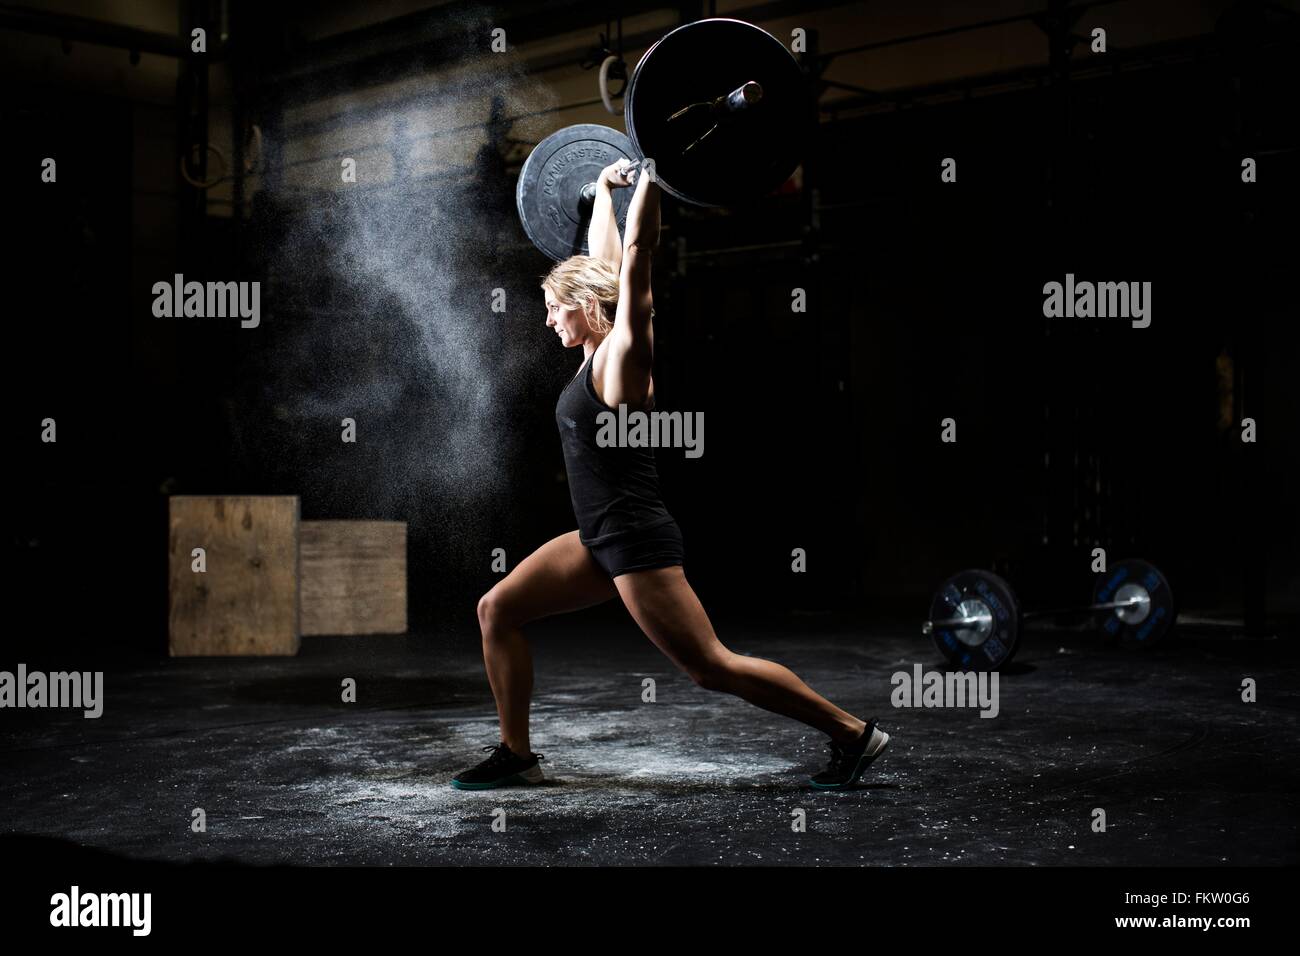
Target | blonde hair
(582,280)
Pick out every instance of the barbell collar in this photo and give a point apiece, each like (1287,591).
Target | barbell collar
(745,95)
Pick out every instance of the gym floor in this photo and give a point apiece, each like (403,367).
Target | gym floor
(974,290)
(1186,773)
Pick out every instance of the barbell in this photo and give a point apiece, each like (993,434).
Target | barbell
(720,106)
(976,621)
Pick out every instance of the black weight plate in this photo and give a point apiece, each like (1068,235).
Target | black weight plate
(754,150)
(1000,645)
(549,193)
(1160,617)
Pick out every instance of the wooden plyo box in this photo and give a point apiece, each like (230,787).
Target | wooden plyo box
(353,577)
(246,602)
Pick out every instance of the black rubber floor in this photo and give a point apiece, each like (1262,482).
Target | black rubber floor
(1186,773)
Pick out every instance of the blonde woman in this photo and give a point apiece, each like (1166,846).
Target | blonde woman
(627,544)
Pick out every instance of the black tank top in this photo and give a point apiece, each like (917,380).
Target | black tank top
(615,490)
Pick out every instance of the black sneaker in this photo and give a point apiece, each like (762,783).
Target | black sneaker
(849,761)
(504,768)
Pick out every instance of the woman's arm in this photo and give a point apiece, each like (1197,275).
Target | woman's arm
(626,376)
(602,232)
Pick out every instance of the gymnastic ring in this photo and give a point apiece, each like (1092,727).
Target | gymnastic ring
(605,96)
(255,141)
(212,182)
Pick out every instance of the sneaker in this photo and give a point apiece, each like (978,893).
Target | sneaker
(504,768)
(849,761)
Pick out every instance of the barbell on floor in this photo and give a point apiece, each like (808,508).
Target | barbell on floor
(719,105)
(976,621)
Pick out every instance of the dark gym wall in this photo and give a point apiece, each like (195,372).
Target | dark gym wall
(1086,433)
(84,557)
(821,427)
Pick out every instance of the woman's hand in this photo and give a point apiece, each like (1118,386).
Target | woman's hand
(615,175)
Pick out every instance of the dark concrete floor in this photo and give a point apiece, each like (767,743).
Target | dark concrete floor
(1186,772)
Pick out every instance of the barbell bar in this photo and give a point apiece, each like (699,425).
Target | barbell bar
(1140,601)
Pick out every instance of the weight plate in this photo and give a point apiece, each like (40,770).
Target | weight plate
(549,193)
(752,151)
(1145,624)
(973,648)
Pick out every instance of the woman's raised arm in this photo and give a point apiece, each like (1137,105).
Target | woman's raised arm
(631,343)
(603,240)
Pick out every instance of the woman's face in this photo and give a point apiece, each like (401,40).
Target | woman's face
(568,321)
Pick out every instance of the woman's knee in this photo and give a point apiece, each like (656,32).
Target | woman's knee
(494,612)
(714,672)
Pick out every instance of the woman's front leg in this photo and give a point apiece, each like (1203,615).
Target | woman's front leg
(559,576)
(665,607)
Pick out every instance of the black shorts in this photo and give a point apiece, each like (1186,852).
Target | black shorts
(657,547)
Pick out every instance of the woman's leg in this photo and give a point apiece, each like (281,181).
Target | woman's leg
(665,607)
(559,576)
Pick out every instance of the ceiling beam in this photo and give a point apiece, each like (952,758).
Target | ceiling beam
(74,29)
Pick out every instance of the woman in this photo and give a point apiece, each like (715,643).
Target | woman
(627,544)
